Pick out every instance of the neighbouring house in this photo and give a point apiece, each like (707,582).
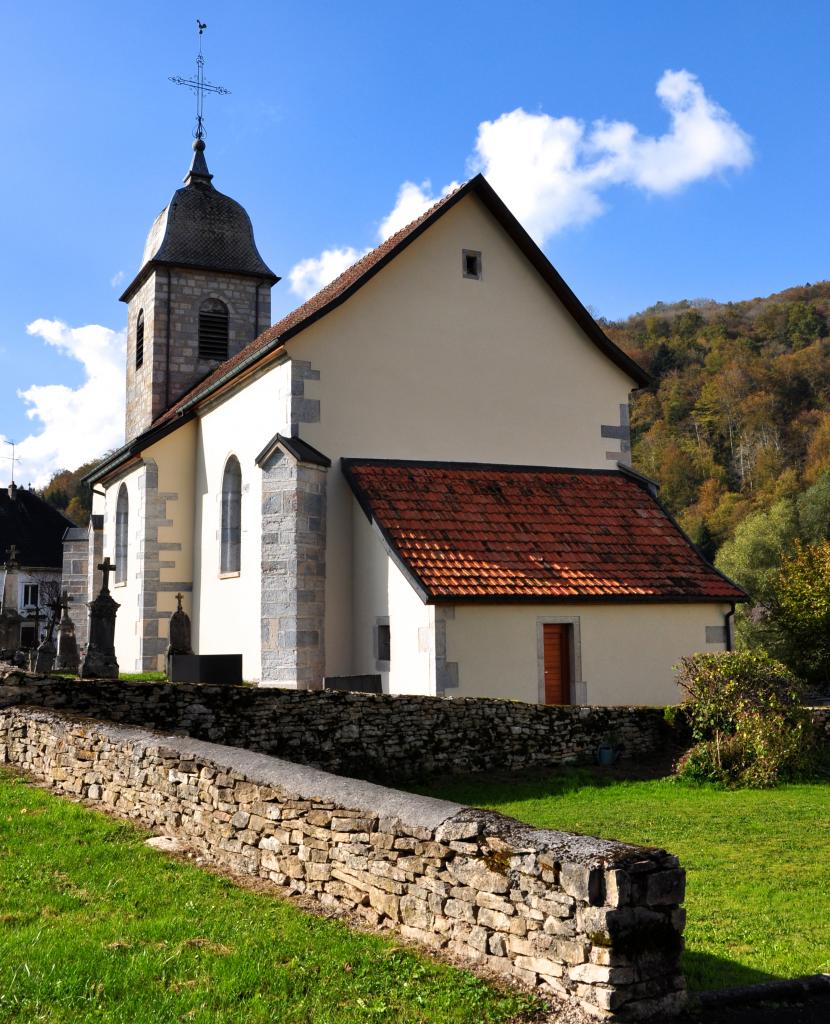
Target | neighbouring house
(422,472)
(31,549)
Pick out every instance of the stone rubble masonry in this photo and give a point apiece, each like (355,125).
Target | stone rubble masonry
(74,580)
(593,921)
(293,572)
(303,408)
(821,716)
(152,556)
(622,433)
(83,551)
(149,393)
(379,736)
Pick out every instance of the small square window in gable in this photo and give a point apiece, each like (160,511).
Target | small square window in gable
(471,264)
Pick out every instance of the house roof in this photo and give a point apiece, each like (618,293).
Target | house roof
(35,527)
(273,339)
(474,532)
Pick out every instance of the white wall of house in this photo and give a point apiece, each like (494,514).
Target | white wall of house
(626,653)
(126,593)
(423,363)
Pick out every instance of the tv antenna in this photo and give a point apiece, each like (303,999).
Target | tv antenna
(11,458)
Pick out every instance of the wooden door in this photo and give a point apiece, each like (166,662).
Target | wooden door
(557,663)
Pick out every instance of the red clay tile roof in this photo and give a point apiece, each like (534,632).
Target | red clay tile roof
(477,532)
(359,273)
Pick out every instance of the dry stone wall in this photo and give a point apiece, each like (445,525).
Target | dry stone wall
(591,920)
(370,735)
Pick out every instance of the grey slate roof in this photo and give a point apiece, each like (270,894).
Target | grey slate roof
(202,228)
(301,450)
(34,527)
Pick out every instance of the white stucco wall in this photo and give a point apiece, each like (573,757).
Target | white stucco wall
(227,611)
(128,593)
(175,457)
(627,652)
(423,363)
(380,590)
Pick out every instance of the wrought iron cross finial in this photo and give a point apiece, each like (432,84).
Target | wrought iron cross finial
(200,86)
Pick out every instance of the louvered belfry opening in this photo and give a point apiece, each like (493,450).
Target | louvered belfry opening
(213,330)
(139,340)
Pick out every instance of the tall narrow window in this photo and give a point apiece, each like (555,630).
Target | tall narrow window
(139,339)
(122,527)
(231,534)
(213,330)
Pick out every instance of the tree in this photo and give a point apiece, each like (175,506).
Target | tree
(800,612)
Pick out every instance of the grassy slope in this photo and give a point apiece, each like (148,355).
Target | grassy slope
(94,926)
(758,861)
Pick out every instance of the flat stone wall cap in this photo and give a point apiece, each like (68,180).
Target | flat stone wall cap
(564,846)
(355,794)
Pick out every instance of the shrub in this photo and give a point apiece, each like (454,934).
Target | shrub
(745,712)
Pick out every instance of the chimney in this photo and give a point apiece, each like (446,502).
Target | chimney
(12,491)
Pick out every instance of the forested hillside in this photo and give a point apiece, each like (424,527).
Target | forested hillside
(66,492)
(739,414)
(736,429)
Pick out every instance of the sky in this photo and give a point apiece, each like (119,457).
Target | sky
(655,151)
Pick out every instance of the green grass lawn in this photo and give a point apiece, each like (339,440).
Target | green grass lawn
(97,927)
(757,861)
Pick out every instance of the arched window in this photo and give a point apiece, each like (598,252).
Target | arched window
(122,527)
(231,534)
(139,339)
(213,330)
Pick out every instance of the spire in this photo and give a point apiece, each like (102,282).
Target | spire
(198,173)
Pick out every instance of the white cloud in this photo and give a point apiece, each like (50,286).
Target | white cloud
(117,278)
(76,424)
(552,171)
(310,275)
(412,201)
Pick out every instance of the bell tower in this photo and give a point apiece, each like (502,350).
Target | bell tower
(203,291)
(202,294)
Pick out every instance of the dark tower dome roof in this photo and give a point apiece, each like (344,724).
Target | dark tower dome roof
(202,228)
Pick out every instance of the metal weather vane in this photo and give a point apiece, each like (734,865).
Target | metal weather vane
(200,86)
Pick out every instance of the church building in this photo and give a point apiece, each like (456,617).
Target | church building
(421,473)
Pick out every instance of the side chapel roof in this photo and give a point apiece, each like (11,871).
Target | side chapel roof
(475,532)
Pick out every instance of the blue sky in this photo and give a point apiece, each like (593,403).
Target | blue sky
(717,188)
